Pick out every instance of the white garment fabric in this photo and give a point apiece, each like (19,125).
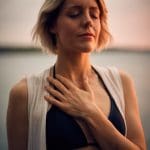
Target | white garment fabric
(38,107)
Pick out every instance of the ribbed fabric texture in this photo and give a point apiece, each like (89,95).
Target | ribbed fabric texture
(38,107)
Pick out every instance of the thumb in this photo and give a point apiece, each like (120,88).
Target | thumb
(87,86)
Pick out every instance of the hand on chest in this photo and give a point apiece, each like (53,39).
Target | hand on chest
(102,98)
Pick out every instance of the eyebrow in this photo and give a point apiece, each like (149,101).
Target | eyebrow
(79,6)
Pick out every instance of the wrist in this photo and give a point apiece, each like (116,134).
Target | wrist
(91,114)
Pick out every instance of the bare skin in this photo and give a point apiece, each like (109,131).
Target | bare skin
(17,118)
(76,81)
(81,104)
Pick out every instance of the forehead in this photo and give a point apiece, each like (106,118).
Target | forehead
(81,3)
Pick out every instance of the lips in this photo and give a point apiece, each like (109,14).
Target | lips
(87,35)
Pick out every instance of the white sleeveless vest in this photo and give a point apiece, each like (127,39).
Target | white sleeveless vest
(38,107)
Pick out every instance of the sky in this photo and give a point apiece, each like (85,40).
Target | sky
(129,22)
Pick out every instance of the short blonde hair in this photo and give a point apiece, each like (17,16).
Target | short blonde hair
(47,17)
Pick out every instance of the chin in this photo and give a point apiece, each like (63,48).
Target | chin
(87,49)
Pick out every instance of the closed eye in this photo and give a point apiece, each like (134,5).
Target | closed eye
(95,16)
(95,13)
(74,15)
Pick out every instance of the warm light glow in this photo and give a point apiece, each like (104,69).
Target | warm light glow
(129,22)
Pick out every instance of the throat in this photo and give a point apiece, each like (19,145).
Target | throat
(75,63)
(74,73)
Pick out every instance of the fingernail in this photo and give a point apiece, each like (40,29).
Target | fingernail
(57,75)
(49,78)
(45,97)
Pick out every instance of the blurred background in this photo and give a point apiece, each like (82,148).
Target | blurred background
(129,24)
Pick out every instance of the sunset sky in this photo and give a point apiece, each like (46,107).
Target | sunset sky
(129,22)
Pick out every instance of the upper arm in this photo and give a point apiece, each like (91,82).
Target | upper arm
(17,117)
(134,127)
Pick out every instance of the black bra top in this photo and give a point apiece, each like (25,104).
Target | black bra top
(63,132)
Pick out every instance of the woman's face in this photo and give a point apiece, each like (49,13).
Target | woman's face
(78,26)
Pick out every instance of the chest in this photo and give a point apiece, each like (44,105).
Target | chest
(103,101)
(102,98)
(70,129)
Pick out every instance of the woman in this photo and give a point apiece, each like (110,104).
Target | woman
(73,104)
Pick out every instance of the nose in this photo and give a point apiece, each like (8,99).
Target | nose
(87,20)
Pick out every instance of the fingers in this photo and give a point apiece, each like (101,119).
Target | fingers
(53,101)
(55,93)
(66,82)
(58,85)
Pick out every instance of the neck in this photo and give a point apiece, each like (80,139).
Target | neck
(75,67)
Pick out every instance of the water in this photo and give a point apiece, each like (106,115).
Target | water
(14,66)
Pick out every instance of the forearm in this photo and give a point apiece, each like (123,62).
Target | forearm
(106,135)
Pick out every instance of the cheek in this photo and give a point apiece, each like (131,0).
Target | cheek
(98,27)
(66,34)
(67,29)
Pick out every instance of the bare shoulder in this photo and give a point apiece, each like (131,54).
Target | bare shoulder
(128,86)
(18,100)
(132,114)
(19,90)
(129,92)
(18,97)
(126,78)
(17,116)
